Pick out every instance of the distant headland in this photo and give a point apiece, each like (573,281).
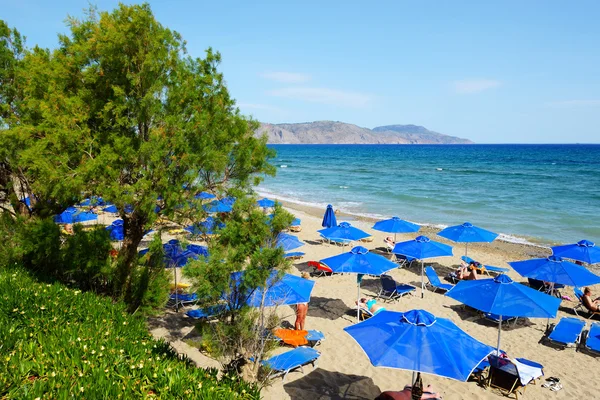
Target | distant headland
(335,132)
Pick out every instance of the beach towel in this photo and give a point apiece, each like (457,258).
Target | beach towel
(292,337)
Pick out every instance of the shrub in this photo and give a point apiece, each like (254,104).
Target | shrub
(56,342)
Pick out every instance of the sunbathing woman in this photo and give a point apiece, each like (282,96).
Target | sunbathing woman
(466,271)
(370,305)
(591,305)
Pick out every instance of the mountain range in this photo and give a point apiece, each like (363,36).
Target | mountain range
(335,132)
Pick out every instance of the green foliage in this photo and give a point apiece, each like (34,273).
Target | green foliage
(59,343)
(120,110)
(247,243)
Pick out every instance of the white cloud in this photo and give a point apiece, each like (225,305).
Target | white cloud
(575,103)
(469,86)
(257,106)
(324,96)
(286,77)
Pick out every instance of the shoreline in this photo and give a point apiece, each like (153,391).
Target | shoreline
(432,228)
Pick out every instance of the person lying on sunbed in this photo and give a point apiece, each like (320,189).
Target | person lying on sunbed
(389,240)
(406,394)
(591,305)
(370,305)
(467,271)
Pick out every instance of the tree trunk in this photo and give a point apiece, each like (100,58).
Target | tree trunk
(133,229)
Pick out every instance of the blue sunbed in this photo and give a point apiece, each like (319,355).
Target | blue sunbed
(567,332)
(290,360)
(207,312)
(593,338)
(434,280)
(496,318)
(391,290)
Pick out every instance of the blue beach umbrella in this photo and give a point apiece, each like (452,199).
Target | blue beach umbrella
(467,233)
(421,248)
(217,206)
(72,215)
(396,225)
(228,201)
(116,230)
(555,270)
(111,209)
(419,341)
(584,250)
(359,261)
(288,242)
(204,196)
(92,201)
(344,231)
(329,220)
(504,297)
(208,226)
(287,290)
(266,203)
(176,256)
(296,222)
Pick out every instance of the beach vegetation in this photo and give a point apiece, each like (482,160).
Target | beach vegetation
(119,109)
(59,342)
(248,244)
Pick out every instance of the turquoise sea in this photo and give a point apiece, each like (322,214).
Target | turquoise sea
(538,193)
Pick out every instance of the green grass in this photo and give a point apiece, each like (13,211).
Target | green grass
(59,343)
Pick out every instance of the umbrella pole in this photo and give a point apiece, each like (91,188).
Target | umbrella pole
(466,248)
(499,332)
(358,302)
(422,281)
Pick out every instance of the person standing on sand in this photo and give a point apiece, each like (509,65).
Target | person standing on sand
(301,311)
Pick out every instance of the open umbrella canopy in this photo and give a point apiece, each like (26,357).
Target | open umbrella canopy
(217,206)
(92,201)
(344,231)
(418,341)
(467,233)
(584,250)
(204,196)
(329,220)
(359,261)
(177,256)
(72,215)
(111,209)
(421,248)
(502,296)
(116,230)
(228,201)
(396,225)
(288,242)
(208,226)
(556,270)
(266,203)
(287,290)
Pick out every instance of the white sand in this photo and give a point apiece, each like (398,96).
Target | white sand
(343,370)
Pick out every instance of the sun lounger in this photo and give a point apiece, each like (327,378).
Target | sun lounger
(340,242)
(363,313)
(295,255)
(207,312)
(296,228)
(282,364)
(434,280)
(391,290)
(512,375)
(581,307)
(592,341)
(299,338)
(320,269)
(182,299)
(567,333)
(479,372)
(403,260)
(486,269)
(496,318)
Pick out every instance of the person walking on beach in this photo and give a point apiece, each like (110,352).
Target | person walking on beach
(301,311)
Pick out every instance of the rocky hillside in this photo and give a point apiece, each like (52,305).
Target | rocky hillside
(332,132)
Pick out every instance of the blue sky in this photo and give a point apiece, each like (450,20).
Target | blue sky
(493,72)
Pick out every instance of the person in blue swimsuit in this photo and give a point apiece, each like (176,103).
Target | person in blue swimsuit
(371,305)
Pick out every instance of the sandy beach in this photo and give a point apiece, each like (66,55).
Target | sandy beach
(344,372)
